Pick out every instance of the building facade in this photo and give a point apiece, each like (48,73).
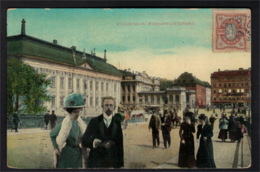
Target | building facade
(69,70)
(201,88)
(231,87)
(175,97)
(135,82)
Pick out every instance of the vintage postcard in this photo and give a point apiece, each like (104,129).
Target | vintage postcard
(159,88)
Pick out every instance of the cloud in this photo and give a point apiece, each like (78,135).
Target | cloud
(199,61)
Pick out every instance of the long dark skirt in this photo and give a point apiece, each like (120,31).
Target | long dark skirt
(205,155)
(223,134)
(233,133)
(186,154)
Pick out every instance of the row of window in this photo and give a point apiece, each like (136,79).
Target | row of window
(242,90)
(91,101)
(229,98)
(242,84)
(85,84)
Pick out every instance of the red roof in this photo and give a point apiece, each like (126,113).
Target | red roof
(244,72)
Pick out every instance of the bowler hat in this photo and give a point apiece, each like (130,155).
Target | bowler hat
(202,116)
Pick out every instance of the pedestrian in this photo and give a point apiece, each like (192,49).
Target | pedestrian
(16,122)
(47,118)
(223,126)
(104,137)
(205,154)
(155,125)
(66,136)
(212,121)
(166,129)
(186,151)
(52,119)
(232,128)
(127,118)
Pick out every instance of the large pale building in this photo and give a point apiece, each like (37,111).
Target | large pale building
(134,83)
(70,71)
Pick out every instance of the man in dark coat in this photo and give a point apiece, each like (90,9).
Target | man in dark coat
(47,118)
(52,119)
(166,129)
(104,137)
(155,125)
(16,121)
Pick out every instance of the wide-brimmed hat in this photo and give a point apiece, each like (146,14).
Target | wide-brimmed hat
(74,100)
(202,116)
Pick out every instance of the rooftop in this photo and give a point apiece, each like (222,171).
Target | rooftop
(239,72)
(20,45)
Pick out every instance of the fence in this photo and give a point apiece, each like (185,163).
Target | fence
(36,121)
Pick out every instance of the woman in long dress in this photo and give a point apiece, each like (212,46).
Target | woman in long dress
(66,136)
(186,152)
(205,155)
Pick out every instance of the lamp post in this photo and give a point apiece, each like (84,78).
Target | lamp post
(249,104)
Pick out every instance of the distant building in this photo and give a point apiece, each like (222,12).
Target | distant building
(201,88)
(70,71)
(230,87)
(175,97)
(133,83)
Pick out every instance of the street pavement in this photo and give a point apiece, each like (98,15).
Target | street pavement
(140,154)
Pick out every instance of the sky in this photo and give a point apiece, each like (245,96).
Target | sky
(163,42)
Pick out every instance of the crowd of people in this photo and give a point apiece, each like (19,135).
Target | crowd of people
(100,143)
(232,128)
(204,157)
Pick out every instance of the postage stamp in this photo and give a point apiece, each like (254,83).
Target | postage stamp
(232,30)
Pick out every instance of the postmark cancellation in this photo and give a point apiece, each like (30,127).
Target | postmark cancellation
(232,30)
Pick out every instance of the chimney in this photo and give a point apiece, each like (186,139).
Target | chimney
(73,47)
(84,54)
(55,41)
(219,70)
(105,54)
(94,52)
(23,27)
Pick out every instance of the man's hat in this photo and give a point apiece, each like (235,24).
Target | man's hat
(189,114)
(74,101)
(202,116)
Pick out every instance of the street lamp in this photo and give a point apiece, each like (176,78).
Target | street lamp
(249,104)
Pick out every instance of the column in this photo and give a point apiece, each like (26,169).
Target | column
(173,100)
(94,92)
(66,89)
(161,100)
(57,91)
(81,86)
(131,94)
(149,99)
(99,94)
(126,94)
(143,99)
(88,93)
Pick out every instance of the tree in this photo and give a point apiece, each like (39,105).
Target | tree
(26,89)
(164,83)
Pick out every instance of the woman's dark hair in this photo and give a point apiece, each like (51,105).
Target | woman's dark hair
(70,110)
